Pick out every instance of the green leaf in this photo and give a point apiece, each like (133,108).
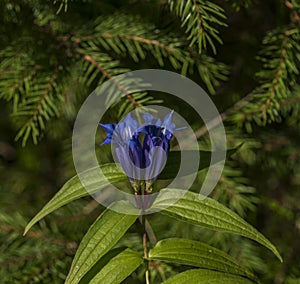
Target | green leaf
(196,276)
(207,213)
(100,238)
(119,268)
(73,189)
(194,253)
(100,264)
(174,158)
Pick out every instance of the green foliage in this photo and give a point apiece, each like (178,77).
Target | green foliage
(119,267)
(208,213)
(200,19)
(73,189)
(37,81)
(110,226)
(101,237)
(194,276)
(197,254)
(54,53)
(278,79)
(63,4)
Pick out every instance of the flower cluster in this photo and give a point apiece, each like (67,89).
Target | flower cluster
(141,150)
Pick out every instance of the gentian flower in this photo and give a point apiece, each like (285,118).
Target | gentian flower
(141,150)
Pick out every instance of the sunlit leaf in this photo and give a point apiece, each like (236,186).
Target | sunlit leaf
(100,238)
(73,189)
(207,213)
(198,254)
(119,267)
(196,276)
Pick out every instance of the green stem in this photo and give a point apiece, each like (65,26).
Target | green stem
(140,188)
(146,256)
(144,222)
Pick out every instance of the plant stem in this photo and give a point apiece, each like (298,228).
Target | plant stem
(140,202)
(145,248)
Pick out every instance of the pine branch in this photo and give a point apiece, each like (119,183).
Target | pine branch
(211,72)
(63,5)
(132,36)
(136,100)
(200,19)
(39,105)
(37,94)
(234,191)
(278,78)
(38,258)
(16,70)
(108,75)
(38,235)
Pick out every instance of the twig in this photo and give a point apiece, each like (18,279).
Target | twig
(43,97)
(130,37)
(91,60)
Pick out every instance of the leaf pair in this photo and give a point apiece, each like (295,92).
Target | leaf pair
(105,232)
(96,260)
(73,188)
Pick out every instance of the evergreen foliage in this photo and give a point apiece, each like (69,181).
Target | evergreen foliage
(54,53)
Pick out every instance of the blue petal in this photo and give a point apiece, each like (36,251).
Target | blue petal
(136,153)
(148,118)
(147,142)
(167,134)
(168,118)
(157,141)
(107,140)
(168,124)
(151,130)
(157,159)
(108,127)
(158,123)
(130,127)
(148,145)
(122,153)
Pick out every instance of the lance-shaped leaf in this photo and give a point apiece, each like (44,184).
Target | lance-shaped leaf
(73,189)
(196,276)
(207,213)
(119,267)
(100,238)
(194,253)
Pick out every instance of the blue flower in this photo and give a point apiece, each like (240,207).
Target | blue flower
(158,133)
(142,151)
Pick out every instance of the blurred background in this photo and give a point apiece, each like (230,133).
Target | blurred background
(53,54)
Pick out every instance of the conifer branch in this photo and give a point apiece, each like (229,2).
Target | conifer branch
(91,60)
(39,235)
(38,105)
(130,37)
(43,98)
(200,19)
(24,78)
(278,77)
